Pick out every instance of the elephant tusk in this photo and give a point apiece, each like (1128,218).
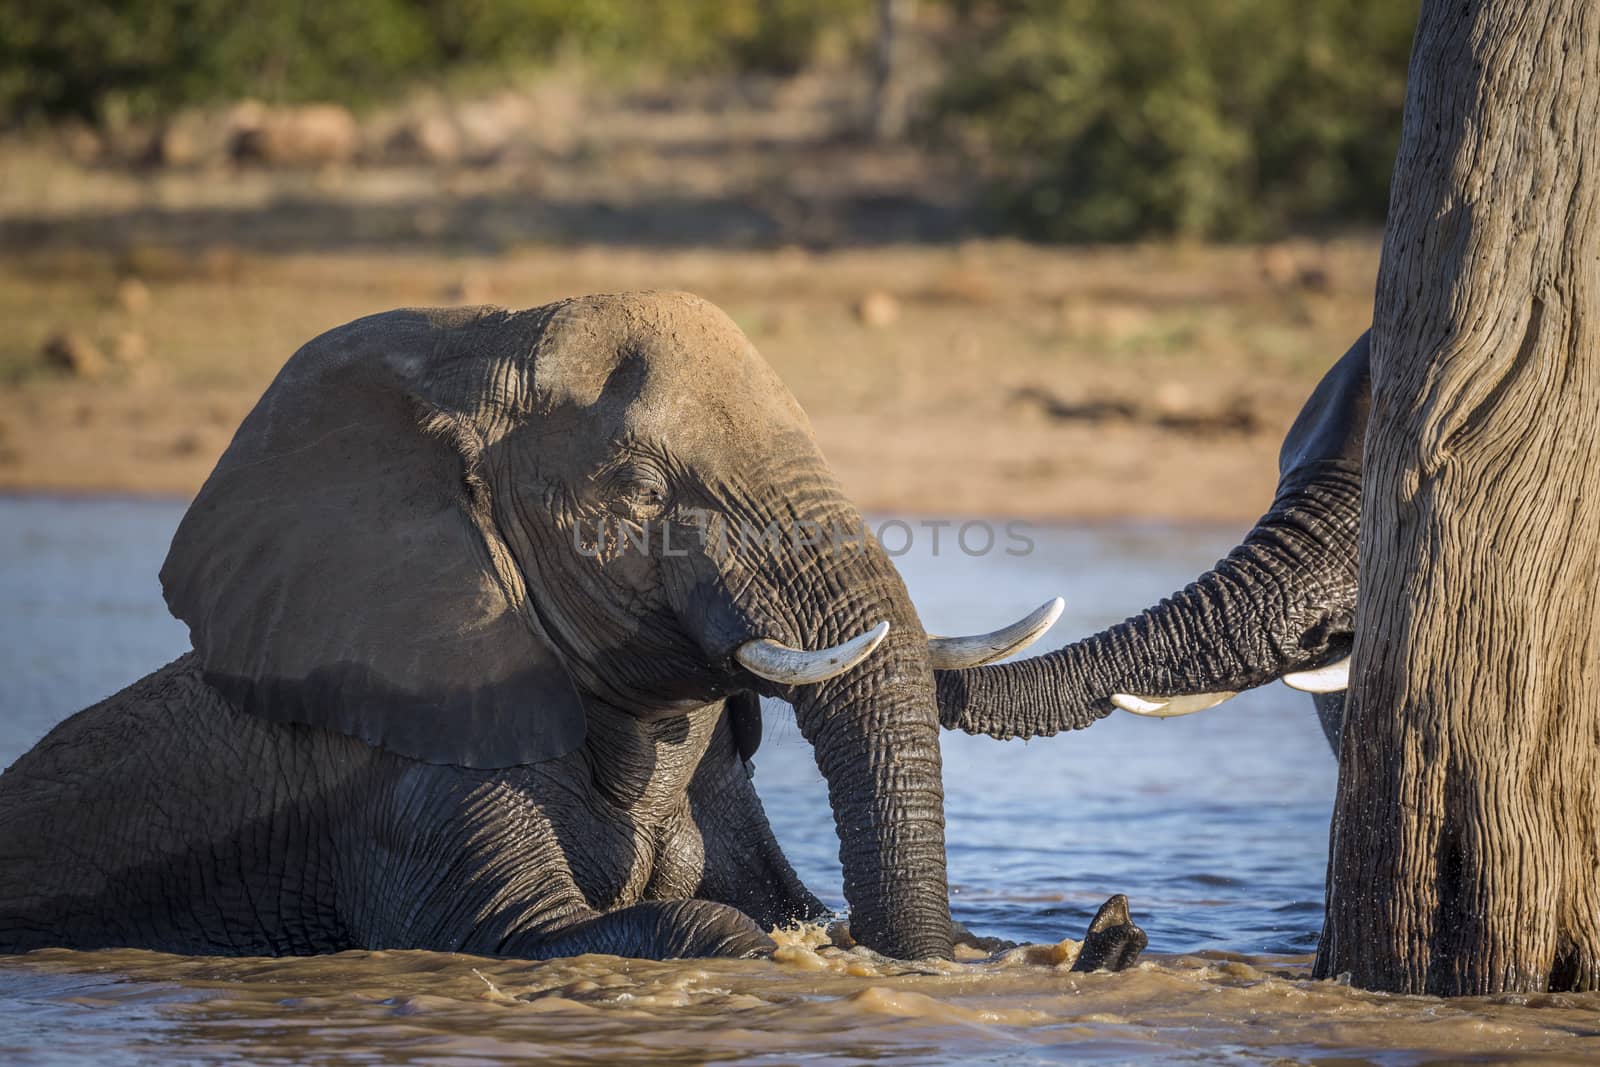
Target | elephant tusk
(1327,679)
(1168,707)
(956,653)
(767,659)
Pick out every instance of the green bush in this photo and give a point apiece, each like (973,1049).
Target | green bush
(767,35)
(1113,119)
(88,57)
(145,57)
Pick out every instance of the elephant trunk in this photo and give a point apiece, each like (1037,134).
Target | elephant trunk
(872,722)
(876,738)
(1271,606)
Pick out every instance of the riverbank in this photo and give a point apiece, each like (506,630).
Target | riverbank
(970,378)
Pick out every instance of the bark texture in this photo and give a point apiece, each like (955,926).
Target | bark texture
(1464,854)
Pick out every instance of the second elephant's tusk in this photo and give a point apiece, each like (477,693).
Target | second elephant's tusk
(957,653)
(1328,679)
(767,659)
(1168,707)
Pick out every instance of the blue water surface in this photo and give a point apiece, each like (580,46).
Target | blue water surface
(1215,824)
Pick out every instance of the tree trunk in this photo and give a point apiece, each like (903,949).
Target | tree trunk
(888,107)
(1464,854)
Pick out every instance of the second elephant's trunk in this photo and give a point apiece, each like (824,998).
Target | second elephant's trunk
(1271,606)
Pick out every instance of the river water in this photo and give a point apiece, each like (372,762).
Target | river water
(1214,825)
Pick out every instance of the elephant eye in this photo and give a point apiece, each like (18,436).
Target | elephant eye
(649,495)
(641,489)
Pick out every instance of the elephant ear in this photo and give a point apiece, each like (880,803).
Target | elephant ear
(339,568)
(1332,426)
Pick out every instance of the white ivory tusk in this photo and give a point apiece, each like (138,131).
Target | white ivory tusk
(956,653)
(1328,679)
(767,659)
(1168,707)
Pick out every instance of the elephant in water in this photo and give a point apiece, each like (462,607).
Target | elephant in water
(1281,605)
(478,638)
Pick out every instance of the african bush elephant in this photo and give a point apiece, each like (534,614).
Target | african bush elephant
(1280,605)
(476,666)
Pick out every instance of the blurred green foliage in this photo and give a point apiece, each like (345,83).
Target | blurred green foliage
(1112,119)
(1096,119)
(100,58)
(96,58)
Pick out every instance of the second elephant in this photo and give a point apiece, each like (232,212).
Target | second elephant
(1281,605)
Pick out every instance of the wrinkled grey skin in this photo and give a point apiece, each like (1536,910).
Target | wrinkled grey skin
(420,713)
(1282,601)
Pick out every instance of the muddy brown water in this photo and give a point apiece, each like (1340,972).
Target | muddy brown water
(1215,825)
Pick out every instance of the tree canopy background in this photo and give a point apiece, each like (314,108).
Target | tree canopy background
(1092,119)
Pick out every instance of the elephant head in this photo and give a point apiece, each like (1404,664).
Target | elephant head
(1280,605)
(452,533)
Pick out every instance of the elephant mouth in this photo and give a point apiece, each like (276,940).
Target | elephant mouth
(1329,673)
